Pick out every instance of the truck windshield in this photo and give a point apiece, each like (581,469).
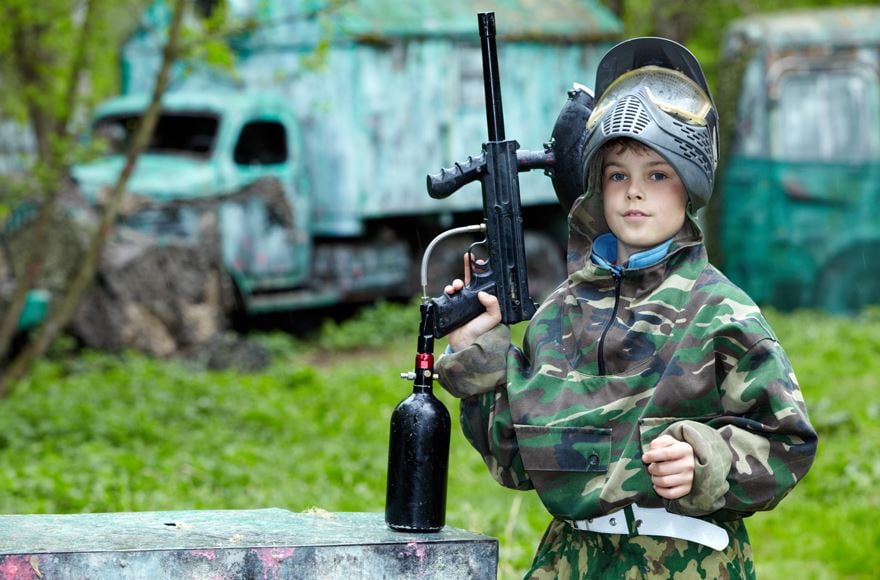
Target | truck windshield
(175,133)
(826,116)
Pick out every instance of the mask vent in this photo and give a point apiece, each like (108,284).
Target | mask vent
(694,144)
(629,116)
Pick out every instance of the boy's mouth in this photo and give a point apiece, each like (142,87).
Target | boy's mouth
(635,213)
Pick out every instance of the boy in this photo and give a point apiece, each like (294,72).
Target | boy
(651,408)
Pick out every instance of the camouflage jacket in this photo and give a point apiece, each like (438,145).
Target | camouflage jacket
(611,362)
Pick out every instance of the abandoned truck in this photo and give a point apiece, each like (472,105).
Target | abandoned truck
(348,144)
(797,220)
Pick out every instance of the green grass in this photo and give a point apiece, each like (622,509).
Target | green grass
(89,432)
(827,527)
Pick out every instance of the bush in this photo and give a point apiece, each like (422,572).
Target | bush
(372,327)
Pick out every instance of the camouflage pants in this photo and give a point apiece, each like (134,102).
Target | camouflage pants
(567,553)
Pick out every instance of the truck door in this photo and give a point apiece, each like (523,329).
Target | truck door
(263,238)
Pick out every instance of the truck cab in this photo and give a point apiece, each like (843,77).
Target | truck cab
(799,219)
(213,150)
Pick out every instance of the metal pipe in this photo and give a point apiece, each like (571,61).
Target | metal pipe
(480,228)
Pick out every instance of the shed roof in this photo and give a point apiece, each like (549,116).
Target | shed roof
(824,26)
(562,20)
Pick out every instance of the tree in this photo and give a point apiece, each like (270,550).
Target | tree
(52,125)
(36,59)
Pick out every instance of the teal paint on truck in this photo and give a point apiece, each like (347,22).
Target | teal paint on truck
(784,30)
(400,95)
(208,162)
(799,214)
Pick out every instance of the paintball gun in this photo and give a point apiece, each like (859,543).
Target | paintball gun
(418,452)
(497,168)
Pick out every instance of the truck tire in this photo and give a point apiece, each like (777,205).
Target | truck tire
(849,281)
(232,304)
(546,265)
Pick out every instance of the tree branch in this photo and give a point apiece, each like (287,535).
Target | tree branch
(77,67)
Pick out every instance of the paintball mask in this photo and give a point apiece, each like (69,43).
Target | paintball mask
(651,90)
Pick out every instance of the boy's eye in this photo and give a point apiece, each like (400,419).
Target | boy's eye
(658,176)
(616,176)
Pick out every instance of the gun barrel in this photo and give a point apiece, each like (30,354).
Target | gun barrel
(491,78)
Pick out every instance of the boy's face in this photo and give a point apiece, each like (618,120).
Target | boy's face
(645,201)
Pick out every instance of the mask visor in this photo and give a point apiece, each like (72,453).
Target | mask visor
(671,91)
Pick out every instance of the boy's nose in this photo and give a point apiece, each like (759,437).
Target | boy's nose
(634,193)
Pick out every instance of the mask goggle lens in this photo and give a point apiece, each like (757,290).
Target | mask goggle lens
(671,91)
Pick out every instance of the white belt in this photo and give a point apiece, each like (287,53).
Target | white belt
(657,522)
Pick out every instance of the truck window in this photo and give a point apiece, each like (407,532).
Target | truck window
(750,135)
(825,115)
(261,143)
(174,133)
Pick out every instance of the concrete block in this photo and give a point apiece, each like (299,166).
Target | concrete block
(262,544)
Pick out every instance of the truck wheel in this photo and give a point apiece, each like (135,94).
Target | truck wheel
(849,281)
(232,304)
(546,264)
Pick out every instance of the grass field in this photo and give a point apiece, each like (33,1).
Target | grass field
(89,432)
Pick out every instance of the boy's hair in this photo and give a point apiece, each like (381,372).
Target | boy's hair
(597,165)
(621,145)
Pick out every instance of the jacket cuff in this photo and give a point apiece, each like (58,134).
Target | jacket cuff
(712,463)
(477,369)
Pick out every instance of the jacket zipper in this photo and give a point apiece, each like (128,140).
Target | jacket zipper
(601,348)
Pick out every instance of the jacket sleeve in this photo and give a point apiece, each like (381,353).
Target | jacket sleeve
(762,445)
(478,376)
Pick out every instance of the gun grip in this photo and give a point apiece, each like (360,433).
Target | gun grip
(454,310)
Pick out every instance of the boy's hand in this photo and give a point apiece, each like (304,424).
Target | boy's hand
(671,465)
(465,335)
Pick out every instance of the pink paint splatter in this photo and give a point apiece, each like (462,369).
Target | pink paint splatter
(418,548)
(206,554)
(271,558)
(17,568)
(419,551)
